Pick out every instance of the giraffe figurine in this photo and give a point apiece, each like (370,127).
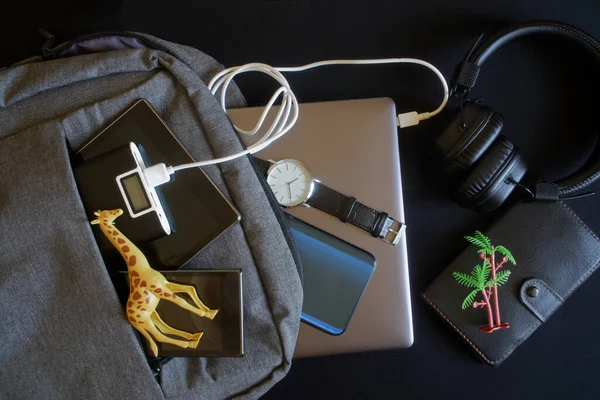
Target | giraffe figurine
(148,287)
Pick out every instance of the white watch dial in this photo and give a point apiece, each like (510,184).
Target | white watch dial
(291,182)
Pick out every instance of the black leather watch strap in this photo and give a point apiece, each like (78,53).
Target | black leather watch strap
(348,209)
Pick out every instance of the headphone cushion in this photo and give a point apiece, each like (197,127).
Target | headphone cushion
(460,147)
(486,187)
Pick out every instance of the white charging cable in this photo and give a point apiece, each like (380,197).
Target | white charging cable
(288,111)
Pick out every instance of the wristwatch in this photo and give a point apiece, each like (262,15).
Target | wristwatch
(293,186)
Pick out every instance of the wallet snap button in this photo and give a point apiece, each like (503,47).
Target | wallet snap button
(533,291)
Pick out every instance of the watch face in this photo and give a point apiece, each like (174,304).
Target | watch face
(291,182)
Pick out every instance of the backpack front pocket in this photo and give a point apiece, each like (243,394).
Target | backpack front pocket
(63,323)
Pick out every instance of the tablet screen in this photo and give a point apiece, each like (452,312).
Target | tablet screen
(199,213)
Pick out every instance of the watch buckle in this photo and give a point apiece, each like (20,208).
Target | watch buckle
(393,231)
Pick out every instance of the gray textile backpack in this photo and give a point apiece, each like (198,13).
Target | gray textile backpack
(63,334)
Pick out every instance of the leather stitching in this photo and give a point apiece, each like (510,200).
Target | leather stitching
(362,208)
(591,271)
(497,361)
(346,217)
(526,300)
(579,220)
(538,313)
(331,202)
(547,289)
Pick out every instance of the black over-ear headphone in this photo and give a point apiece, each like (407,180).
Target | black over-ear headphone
(473,144)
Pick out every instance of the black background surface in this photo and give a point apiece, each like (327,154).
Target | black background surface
(546,89)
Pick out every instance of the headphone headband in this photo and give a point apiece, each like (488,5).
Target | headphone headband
(467,72)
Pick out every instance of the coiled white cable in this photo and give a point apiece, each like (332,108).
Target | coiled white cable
(289,111)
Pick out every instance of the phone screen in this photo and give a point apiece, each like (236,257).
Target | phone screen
(336,274)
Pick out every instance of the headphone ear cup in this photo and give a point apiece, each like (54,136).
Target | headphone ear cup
(462,146)
(486,187)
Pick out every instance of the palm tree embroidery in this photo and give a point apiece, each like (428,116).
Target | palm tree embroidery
(480,280)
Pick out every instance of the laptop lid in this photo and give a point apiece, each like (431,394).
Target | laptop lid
(352,147)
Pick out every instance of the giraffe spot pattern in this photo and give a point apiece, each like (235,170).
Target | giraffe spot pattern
(138,307)
(158,290)
(134,273)
(152,286)
(115,233)
(132,261)
(147,300)
(146,292)
(174,295)
(130,311)
(138,315)
(120,240)
(129,304)
(143,309)
(143,284)
(125,249)
(136,282)
(132,319)
(137,295)
(140,302)
(167,294)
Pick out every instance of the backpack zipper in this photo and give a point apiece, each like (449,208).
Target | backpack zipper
(121,286)
(155,363)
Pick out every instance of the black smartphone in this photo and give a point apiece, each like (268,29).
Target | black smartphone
(336,274)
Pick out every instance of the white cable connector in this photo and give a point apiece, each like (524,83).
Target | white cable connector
(157,174)
(412,118)
(289,111)
(408,119)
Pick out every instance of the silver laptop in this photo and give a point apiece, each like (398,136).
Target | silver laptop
(352,147)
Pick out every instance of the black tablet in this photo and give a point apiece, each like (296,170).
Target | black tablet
(199,212)
(217,289)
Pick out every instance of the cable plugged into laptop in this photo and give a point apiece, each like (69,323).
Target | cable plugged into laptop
(413,118)
(288,112)
(404,120)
